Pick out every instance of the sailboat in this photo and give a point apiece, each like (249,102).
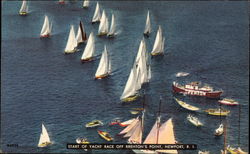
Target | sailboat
(89,50)
(104,68)
(46,29)
(158,48)
(111,32)
(147,29)
(85,4)
(159,134)
(44,138)
(81,34)
(130,92)
(24,9)
(97,14)
(103,27)
(141,62)
(72,42)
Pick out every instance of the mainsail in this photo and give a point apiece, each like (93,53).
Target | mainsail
(81,34)
(103,27)
(141,61)
(72,42)
(147,29)
(136,136)
(89,49)
(131,85)
(24,8)
(46,29)
(159,43)
(97,14)
(44,137)
(103,68)
(112,26)
(166,136)
(85,3)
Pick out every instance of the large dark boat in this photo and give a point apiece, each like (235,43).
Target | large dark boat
(195,89)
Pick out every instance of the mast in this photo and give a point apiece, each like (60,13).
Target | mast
(239,126)
(158,123)
(225,138)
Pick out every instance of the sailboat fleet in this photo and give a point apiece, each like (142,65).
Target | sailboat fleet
(140,73)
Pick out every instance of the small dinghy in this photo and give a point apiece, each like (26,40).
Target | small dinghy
(194,120)
(217,112)
(115,122)
(105,135)
(158,48)
(219,131)
(227,101)
(104,67)
(103,27)
(203,152)
(181,74)
(133,112)
(235,150)
(88,53)
(94,123)
(82,140)
(112,30)
(71,43)
(85,4)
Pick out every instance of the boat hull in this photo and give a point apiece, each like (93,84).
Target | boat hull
(110,35)
(101,133)
(45,36)
(130,99)
(93,22)
(146,34)
(70,51)
(228,103)
(44,144)
(102,76)
(213,94)
(87,60)
(102,34)
(223,113)
(157,54)
(23,13)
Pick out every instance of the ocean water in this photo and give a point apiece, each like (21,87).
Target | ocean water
(39,84)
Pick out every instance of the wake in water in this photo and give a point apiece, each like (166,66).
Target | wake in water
(181,74)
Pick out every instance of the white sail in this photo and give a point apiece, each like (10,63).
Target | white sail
(46,29)
(24,7)
(141,61)
(72,42)
(81,35)
(44,137)
(86,3)
(97,14)
(130,88)
(166,136)
(159,42)
(103,27)
(112,26)
(141,51)
(147,29)
(103,67)
(129,127)
(90,48)
(136,137)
